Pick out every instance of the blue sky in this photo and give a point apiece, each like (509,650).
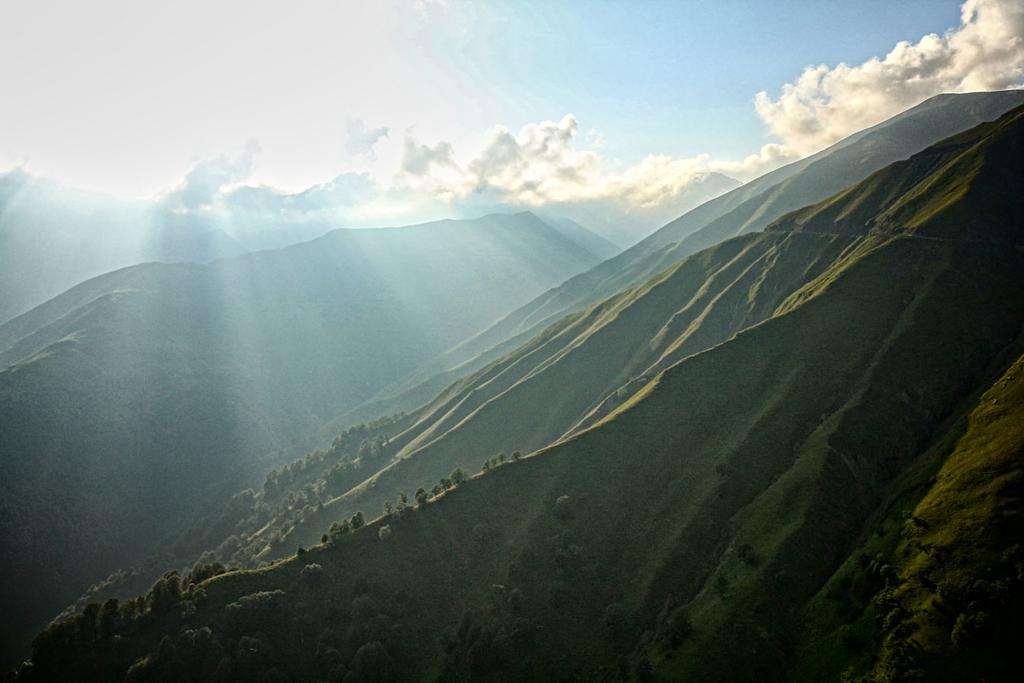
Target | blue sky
(435,104)
(672,77)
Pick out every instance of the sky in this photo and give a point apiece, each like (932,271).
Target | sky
(418,102)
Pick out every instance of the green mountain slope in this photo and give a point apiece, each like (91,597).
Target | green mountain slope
(933,585)
(966,187)
(137,399)
(584,366)
(702,529)
(749,208)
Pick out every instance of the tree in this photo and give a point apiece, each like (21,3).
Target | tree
(358,520)
(337,530)
(457,476)
(201,571)
(165,592)
(421,496)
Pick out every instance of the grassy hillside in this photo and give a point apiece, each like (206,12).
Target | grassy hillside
(932,590)
(584,366)
(135,401)
(965,187)
(718,524)
(749,208)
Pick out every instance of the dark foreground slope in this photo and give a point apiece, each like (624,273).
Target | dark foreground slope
(834,491)
(132,401)
(749,208)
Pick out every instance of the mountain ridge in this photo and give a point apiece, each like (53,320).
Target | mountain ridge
(924,124)
(224,368)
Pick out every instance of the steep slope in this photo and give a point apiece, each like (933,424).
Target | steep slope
(133,401)
(966,187)
(690,532)
(584,366)
(849,162)
(746,209)
(933,587)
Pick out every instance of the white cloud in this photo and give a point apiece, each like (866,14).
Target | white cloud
(556,164)
(543,164)
(986,52)
(210,176)
(419,160)
(361,140)
(547,163)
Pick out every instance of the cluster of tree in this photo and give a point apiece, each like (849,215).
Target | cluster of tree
(499,460)
(267,635)
(250,520)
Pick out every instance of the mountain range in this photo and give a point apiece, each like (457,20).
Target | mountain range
(137,397)
(54,237)
(779,439)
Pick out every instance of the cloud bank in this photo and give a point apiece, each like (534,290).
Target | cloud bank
(210,176)
(825,104)
(543,163)
(550,164)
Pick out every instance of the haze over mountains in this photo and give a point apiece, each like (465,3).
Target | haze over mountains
(794,455)
(53,237)
(139,397)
